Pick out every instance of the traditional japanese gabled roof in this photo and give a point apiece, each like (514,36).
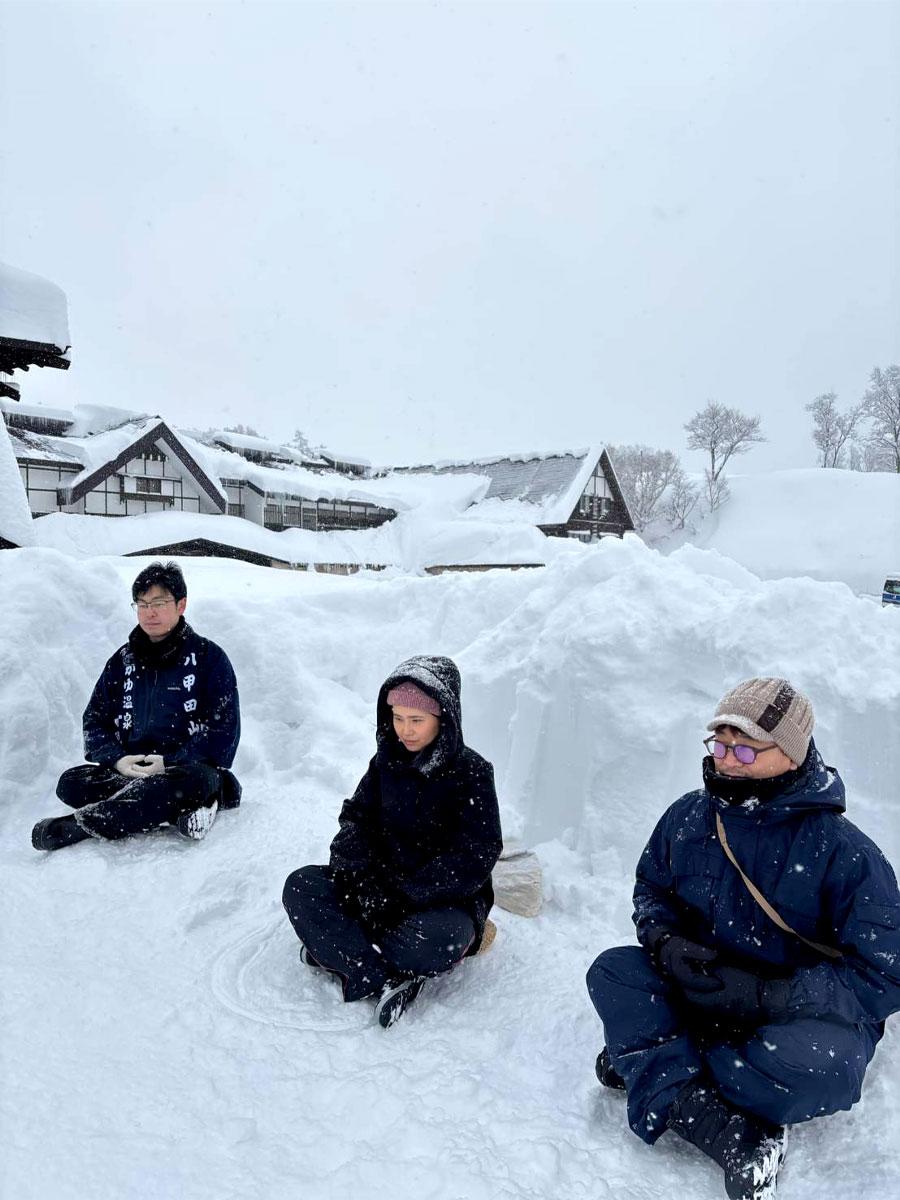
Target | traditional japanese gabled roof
(105,453)
(101,455)
(549,483)
(34,322)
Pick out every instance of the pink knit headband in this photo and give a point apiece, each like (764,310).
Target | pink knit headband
(407,695)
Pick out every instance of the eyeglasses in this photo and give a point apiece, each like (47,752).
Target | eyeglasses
(744,754)
(142,606)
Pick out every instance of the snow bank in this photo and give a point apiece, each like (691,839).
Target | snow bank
(828,525)
(413,541)
(16,524)
(154,989)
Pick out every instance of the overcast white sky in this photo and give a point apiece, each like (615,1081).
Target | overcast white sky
(427,230)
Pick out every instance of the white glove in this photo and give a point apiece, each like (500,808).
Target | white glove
(155,765)
(139,766)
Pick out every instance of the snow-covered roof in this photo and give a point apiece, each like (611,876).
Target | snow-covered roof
(89,419)
(33,309)
(103,453)
(261,445)
(41,411)
(399,492)
(97,455)
(352,460)
(549,484)
(44,448)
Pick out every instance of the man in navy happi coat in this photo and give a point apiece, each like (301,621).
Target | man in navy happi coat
(160,730)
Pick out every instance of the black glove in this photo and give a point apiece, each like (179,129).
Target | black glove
(379,907)
(741,994)
(684,961)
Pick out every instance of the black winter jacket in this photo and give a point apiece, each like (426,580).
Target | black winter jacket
(177,698)
(424,827)
(823,876)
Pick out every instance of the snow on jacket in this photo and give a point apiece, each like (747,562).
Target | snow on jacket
(824,877)
(427,826)
(177,698)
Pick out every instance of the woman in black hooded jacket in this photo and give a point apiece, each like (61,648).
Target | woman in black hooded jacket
(408,888)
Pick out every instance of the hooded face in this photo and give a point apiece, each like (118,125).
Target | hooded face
(414,728)
(437,677)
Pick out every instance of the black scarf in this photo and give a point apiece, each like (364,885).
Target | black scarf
(161,653)
(738,791)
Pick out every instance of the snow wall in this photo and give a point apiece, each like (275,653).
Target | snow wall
(588,683)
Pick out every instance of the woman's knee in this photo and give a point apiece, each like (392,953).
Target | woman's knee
(305,881)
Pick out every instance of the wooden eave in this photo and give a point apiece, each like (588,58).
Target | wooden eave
(159,433)
(209,548)
(19,355)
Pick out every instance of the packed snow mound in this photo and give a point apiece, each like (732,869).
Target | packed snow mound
(414,541)
(160,979)
(827,524)
(16,524)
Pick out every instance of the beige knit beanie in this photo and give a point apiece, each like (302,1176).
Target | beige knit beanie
(769,710)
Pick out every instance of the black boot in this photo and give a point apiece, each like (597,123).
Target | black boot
(607,1073)
(195,823)
(55,832)
(748,1149)
(396,997)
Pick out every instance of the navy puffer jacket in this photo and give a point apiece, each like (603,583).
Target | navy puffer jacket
(425,826)
(823,876)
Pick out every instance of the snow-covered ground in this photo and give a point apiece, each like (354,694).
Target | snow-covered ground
(160,1038)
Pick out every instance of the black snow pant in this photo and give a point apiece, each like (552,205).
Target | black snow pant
(427,942)
(112,806)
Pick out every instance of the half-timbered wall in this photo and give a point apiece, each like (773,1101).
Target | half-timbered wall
(41,483)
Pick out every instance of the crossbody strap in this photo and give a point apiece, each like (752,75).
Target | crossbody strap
(763,902)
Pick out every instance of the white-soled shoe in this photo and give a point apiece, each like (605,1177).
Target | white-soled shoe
(396,997)
(197,823)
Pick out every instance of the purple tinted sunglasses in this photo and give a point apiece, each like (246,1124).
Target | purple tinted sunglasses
(744,754)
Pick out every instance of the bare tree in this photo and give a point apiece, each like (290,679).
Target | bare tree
(645,474)
(247,430)
(721,432)
(832,430)
(681,500)
(300,442)
(882,404)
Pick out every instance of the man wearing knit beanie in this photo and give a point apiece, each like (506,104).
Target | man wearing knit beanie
(769,956)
